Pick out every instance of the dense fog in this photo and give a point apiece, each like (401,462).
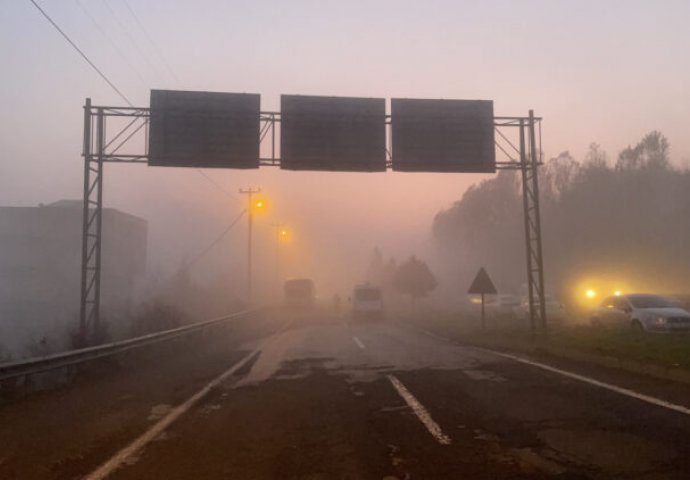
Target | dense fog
(610,222)
(601,213)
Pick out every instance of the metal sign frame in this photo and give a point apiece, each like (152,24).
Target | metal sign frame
(99,148)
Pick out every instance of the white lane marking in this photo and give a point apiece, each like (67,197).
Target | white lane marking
(620,390)
(358,342)
(130,451)
(421,412)
(575,376)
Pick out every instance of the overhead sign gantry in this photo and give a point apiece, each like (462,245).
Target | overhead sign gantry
(318,133)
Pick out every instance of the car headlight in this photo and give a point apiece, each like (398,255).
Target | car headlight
(660,320)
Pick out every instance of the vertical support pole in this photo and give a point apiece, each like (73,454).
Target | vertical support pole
(528,237)
(537,221)
(89,312)
(86,153)
(273,137)
(279,228)
(529,164)
(250,221)
(100,147)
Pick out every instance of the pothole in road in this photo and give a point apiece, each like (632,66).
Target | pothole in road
(209,408)
(158,412)
(485,436)
(300,368)
(531,461)
(614,452)
(484,375)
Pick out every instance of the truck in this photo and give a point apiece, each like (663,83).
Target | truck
(367,302)
(299,293)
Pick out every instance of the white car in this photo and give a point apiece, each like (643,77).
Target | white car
(501,305)
(644,312)
(554,309)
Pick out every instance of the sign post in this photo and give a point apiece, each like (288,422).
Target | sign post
(482,285)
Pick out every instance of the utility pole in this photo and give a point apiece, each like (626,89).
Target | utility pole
(279,229)
(250,218)
(281,236)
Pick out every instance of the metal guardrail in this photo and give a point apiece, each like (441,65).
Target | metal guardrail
(32,366)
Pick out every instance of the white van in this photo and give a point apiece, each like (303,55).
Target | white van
(367,302)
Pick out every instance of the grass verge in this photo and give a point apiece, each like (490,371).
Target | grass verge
(660,355)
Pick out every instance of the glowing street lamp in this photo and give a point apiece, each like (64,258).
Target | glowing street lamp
(258,206)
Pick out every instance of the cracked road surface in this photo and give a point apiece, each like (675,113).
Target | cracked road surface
(327,399)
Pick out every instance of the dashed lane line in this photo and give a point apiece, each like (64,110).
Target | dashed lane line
(358,342)
(422,414)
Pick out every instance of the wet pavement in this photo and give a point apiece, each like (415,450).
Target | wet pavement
(324,398)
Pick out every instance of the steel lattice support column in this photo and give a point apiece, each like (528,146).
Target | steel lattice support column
(529,164)
(89,313)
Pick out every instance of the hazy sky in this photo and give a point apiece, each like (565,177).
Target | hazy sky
(604,71)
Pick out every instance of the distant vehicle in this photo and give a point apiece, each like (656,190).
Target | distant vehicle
(503,304)
(644,312)
(367,302)
(554,309)
(299,293)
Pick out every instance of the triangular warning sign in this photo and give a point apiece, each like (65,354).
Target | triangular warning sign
(482,283)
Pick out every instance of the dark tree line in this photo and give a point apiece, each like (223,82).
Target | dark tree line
(629,218)
(412,277)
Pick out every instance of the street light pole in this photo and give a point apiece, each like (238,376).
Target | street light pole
(281,235)
(250,220)
(279,229)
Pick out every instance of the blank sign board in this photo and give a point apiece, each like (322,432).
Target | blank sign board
(332,133)
(443,135)
(204,129)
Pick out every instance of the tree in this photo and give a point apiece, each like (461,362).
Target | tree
(388,273)
(414,278)
(558,174)
(375,270)
(596,157)
(624,219)
(651,152)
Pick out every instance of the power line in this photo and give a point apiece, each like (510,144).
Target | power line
(160,54)
(132,39)
(218,239)
(216,184)
(153,43)
(83,55)
(111,41)
(111,84)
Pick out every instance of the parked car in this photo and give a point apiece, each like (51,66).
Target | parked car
(367,302)
(554,309)
(644,312)
(502,305)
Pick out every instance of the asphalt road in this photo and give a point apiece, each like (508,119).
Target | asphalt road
(326,399)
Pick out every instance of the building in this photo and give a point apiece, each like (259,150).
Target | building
(40,274)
